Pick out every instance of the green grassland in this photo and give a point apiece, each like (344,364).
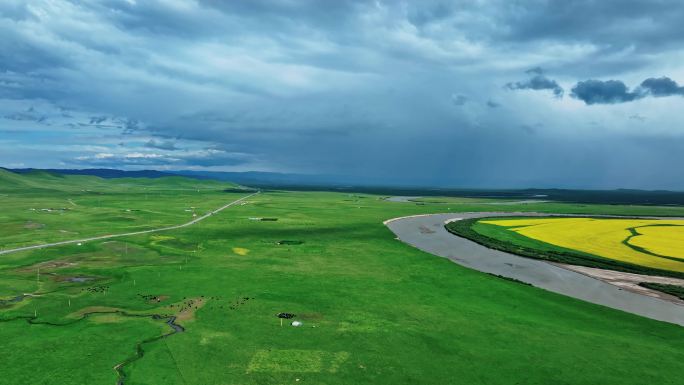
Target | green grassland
(41,207)
(374,310)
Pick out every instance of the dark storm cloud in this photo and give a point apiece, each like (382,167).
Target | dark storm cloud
(646,24)
(537,82)
(615,91)
(660,87)
(357,87)
(603,92)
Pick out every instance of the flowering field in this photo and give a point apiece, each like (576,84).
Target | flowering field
(646,242)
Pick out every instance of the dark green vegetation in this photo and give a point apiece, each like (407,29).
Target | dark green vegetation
(501,238)
(511,279)
(288,242)
(374,310)
(599,197)
(677,291)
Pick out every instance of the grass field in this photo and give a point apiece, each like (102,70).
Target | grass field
(662,246)
(41,208)
(374,310)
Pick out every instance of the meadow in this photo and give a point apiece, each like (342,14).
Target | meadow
(374,310)
(41,207)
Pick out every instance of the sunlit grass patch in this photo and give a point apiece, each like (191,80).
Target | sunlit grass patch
(362,323)
(107,318)
(296,361)
(240,251)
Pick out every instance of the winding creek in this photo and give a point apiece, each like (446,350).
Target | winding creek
(427,233)
(170,320)
(139,352)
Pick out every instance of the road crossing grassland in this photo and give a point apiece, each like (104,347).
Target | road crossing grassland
(128,234)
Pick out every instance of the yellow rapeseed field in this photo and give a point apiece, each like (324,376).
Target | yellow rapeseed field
(604,237)
(661,240)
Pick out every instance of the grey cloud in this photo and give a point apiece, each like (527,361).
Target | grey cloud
(615,91)
(420,16)
(28,115)
(15,10)
(217,158)
(603,92)
(645,24)
(531,129)
(458,100)
(162,145)
(205,158)
(97,119)
(493,104)
(662,86)
(114,161)
(538,82)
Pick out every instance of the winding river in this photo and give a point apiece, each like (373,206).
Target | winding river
(427,233)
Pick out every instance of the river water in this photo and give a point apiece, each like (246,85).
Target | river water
(427,233)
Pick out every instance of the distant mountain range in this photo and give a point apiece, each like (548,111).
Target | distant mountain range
(347,184)
(253,177)
(106,173)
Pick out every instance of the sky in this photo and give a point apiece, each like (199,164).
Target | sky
(482,94)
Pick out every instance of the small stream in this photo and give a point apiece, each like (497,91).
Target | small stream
(13,300)
(139,352)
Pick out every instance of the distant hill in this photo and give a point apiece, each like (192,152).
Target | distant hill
(188,179)
(106,173)
(264,178)
(332,183)
(29,180)
(249,177)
